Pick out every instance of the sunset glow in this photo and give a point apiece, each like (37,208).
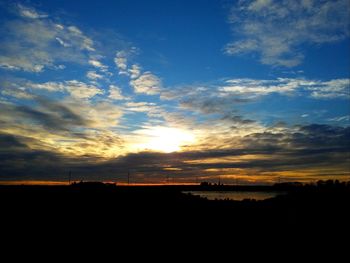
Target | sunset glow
(238,90)
(166,140)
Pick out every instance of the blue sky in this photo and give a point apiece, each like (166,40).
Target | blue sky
(186,88)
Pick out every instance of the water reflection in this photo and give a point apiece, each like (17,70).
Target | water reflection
(234,195)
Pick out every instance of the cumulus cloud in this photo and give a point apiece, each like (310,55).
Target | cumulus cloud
(81,90)
(93,75)
(135,71)
(120,61)
(275,29)
(147,83)
(98,64)
(116,93)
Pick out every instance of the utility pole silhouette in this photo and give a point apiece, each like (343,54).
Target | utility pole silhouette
(219,180)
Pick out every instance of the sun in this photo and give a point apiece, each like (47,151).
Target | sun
(166,139)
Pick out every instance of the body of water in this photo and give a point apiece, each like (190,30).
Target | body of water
(234,195)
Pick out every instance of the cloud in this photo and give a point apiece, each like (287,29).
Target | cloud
(147,83)
(253,87)
(276,29)
(8,141)
(120,61)
(18,161)
(337,88)
(62,42)
(50,86)
(135,71)
(141,106)
(222,103)
(237,119)
(49,115)
(116,93)
(93,75)
(340,118)
(312,151)
(224,95)
(81,90)
(97,64)
(13,89)
(16,93)
(77,36)
(75,88)
(33,45)
(68,127)
(28,12)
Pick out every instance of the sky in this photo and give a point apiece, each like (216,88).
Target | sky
(249,91)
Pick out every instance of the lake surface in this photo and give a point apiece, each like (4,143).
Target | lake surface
(235,195)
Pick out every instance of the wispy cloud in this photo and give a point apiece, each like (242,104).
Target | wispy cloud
(141,106)
(38,43)
(62,42)
(215,96)
(340,118)
(28,12)
(75,88)
(337,88)
(275,29)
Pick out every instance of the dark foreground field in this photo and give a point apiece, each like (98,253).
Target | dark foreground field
(110,206)
(89,217)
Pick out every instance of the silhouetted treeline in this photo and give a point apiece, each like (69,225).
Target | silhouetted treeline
(325,203)
(286,186)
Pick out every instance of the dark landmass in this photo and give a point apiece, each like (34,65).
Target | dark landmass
(108,205)
(84,218)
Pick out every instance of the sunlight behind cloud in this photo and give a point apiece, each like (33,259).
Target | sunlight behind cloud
(164,139)
(92,96)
